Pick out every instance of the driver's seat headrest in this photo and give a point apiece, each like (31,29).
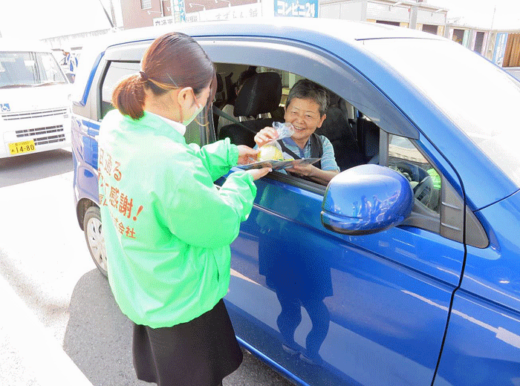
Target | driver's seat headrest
(260,94)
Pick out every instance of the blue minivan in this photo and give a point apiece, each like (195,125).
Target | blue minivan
(405,269)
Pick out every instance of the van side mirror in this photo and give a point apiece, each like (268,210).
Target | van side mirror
(366,199)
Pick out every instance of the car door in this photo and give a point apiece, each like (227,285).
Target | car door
(369,309)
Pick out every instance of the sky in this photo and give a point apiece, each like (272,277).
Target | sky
(49,18)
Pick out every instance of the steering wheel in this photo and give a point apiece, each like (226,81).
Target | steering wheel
(423,188)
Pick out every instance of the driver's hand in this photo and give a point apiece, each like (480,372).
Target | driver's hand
(302,170)
(266,135)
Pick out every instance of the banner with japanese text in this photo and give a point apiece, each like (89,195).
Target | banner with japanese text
(296,8)
(226,13)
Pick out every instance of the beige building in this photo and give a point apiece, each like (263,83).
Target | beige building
(409,14)
(141,13)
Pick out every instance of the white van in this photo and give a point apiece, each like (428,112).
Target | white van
(34,99)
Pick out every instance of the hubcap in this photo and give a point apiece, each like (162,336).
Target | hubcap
(96,242)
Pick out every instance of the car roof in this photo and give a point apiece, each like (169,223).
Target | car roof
(316,31)
(20,45)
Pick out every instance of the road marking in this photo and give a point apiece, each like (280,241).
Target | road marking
(41,353)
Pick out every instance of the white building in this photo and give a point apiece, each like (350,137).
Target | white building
(409,14)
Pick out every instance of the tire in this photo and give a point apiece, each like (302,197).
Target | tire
(95,240)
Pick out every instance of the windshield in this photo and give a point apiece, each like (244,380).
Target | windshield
(477,96)
(28,69)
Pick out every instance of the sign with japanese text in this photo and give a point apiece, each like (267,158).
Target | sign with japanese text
(226,13)
(158,21)
(123,209)
(296,8)
(179,11)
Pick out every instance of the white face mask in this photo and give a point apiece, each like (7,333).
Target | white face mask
(186,122)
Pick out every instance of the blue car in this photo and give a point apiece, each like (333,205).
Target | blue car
(405,268)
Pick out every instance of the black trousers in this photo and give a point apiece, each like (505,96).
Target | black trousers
(197,353)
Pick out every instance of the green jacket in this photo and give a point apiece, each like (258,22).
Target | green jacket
(167,228)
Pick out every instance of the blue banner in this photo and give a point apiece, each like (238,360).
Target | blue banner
(179,11)
(500,48)
(296,8)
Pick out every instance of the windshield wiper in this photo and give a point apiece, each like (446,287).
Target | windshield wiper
(48,83)
(16,85)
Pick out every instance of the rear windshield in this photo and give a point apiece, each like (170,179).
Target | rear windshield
(477,96)
(29,69)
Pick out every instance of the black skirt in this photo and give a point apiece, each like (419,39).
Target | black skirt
(197,353)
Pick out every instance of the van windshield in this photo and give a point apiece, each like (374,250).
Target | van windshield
(29,69)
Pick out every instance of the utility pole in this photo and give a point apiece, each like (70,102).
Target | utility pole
(113,12)
(413,17)
(493,19)
(490,34)
(106,14)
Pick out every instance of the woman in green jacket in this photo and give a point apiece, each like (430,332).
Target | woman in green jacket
(167,228)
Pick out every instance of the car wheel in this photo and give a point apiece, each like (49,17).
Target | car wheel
(95,239)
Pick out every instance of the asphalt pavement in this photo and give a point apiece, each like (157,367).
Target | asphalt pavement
(59,323)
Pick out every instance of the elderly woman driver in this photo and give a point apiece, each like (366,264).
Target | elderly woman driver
(305,110)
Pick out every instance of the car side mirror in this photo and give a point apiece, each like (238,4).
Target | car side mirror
(366,199)
(70,77)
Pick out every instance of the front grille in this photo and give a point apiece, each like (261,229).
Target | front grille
(49,139)
(33,114)
(39,131)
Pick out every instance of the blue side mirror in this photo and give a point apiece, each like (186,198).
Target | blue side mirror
(366,199)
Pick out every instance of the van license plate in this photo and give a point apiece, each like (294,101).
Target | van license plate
(21,147)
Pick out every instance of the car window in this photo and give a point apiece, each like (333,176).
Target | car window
(277,114)
(355,140)
(116,72)
(495,128)
(424,180)
(196,132)
(200,131)
(49,69)
(29,69)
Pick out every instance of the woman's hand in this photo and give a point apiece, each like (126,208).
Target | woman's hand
(259,173)
(246,155)
(267,134)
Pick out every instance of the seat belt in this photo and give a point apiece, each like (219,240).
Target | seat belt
(220,113)
(316,149)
